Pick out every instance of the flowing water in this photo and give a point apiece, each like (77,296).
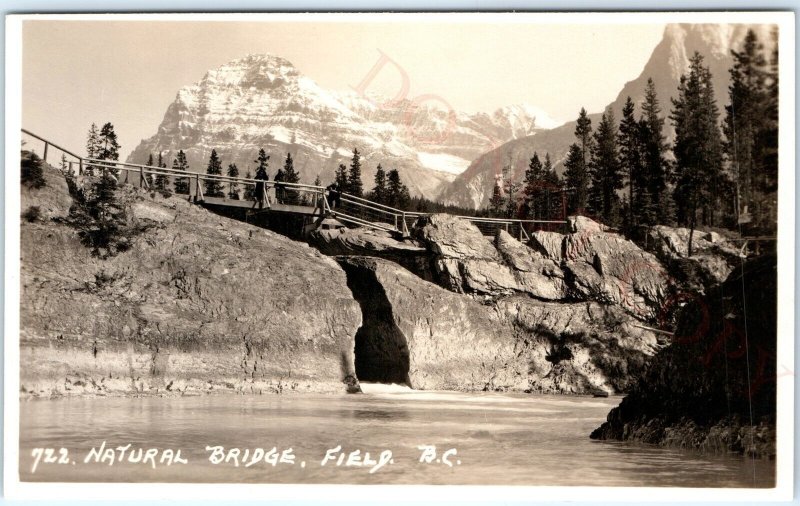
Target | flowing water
(486,438)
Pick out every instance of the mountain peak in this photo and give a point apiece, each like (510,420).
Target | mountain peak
(254,70)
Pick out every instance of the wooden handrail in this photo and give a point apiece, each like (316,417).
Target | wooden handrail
(320,191)
(28,132)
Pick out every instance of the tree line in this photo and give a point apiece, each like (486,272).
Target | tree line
(715,173)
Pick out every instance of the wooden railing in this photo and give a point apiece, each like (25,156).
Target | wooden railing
(350,209)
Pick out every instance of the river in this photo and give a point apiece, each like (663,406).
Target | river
(480,438)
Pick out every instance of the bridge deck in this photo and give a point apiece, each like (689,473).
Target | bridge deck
(249,204)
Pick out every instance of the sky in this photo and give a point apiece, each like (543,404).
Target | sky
(75,72)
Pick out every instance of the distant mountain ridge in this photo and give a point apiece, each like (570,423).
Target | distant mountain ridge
(263,101)
(669,60)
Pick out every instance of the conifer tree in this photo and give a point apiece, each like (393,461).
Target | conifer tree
(233,188)
(150,160)
(93,142)
(290,175)
(354,185)
(108,147)
(162,180)
(497,202)
(583,132)
(656,166)
(746,126)
(213,187)
(605,171)
(576,180)
(262,160)
(697,148)
(576,165)
(181,183)
(92,146)
(378,193)
(769,135)
(31,171)
(318,181)
(397,194)
(341,177)
(631,156)
(534,189)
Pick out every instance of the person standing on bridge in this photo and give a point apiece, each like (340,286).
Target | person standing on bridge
(260,191)
(334,195)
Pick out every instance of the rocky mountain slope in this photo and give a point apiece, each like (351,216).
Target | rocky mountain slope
(262,101)
(670,59)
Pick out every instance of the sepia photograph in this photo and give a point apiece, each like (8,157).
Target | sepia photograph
(544,254)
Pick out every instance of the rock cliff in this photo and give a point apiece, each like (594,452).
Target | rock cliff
(198,303)
(713,256)
(418,333)
(714,387)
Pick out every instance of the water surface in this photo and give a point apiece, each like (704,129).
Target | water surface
(502,439)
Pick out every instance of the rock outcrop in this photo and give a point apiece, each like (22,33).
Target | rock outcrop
(714,387)
(580,347)
(713,257)
(608,268)
(198,303)
(368,242)
(418,333)
(590,264)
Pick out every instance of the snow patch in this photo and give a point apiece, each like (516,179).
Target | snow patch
(443,162)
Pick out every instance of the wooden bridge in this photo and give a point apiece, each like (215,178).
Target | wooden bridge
(312,202)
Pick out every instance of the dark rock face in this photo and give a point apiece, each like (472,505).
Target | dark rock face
(714,387)
(197,303)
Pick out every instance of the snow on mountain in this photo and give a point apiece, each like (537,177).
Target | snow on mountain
(262,101)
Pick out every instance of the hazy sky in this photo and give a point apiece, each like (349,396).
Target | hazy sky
(128,72)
